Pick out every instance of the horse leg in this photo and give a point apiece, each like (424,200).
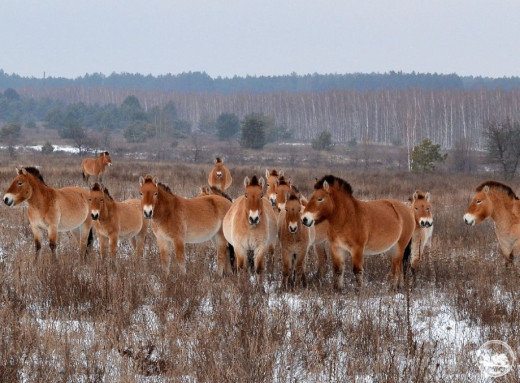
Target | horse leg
(102,245)
(338,265)
(240,257)
(178,244)
(321,252)
(287,266)
(164,249)
(113,242)
(37,234)
(299,268)
(357,265)
(139,240)
(223,259)
(53,238)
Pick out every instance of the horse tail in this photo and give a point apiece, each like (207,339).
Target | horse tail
(232,256)
(406,257)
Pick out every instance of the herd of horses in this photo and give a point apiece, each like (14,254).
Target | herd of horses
(270,214)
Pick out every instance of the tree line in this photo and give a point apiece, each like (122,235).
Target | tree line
(202,82)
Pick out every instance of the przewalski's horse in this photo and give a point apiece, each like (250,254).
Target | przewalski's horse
(95,166)
(250,225)
(53,210)
(272,183)
(179,220)
(295,240)
(220,176)
(115,220)
(420,203)
(360,227)
(498,201)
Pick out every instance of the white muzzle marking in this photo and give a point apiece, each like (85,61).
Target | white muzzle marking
(254,217)
(272,199)
(94,214)
(148,211)
(219,174)
(469,219)
(308,219)
(426,222)
(9,199)
(293,227)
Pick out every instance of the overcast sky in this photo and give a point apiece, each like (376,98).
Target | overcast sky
(69,38)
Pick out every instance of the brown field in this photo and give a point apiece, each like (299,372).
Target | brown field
(74,320)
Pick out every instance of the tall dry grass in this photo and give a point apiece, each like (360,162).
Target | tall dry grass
(92,320)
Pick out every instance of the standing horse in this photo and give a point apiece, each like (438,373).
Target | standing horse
(295,240)
(220,176)
(95,166)
(272,183)
(359,227)
(54,210)
(179,221)
(250,225)
(421,208)
(498,201)
(114,220)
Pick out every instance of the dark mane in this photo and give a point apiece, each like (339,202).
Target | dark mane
(218,160)
(274,173)
(295,189)
(164,187)
(97,187)
(293,196)
(282,181)
(254,181)
(106,153)
(336,181)
(498,186)
(217,191)
(36,173)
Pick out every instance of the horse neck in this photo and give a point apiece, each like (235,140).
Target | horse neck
(100,162)
(41,193)
(109,206)
(166,203)
(502,211)
(344,207)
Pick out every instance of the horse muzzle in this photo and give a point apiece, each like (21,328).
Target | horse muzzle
(95,215)
(147,212)
(469,219)
(425,223)
(9,200)
(293,228)
(307,220)
(219,175)
(253,221)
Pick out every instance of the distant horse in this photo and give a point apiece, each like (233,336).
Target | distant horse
(53,210)
(95,166)
(250,225)
(295,240)
(359,227)
(209,190)
(220,176)
(114,220)
(179,220)
(421,208)
(498,201)
(272,183)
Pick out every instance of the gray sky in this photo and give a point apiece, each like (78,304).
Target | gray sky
(69,38)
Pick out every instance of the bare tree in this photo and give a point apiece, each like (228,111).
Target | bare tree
(503,145)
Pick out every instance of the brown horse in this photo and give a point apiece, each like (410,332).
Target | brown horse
(54,210)
(272,183)
(179,221)
(420,203)
(220,176)
(95,166)
(250,225)
(359,227)
(498,201)
(295,240)
(114,220)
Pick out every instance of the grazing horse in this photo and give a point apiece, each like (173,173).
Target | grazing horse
(179,220)
(54,210)
(272,183)
(114,220)
(250,225)
(95,166)
(220,177)
(498,201)
(295,240)
(359,227)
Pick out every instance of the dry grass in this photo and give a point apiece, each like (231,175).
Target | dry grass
(73,320)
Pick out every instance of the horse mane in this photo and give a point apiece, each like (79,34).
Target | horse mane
(293,196)
(164,187)
(218,160)
(282,181)
(274,173)
(254,181)
(36,173)
(295,189)
(104,153)
(336,181)
(217,191)
(97,187)
(499,186)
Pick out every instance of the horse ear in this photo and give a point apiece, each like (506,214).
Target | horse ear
(266,173)
(287,195)
(486,189)
(326,186)
(428,197)
(141,180)
(155,181)
(414,197)
(18,171)
(246,181)
(280,173)
(261,182)
(23,171)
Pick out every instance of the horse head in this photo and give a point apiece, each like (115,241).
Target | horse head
(421,205)
(149,193)
(21,189)
(292,208)
(272,184)
(321,204)
(254,191)
(107,161)
(96,201)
